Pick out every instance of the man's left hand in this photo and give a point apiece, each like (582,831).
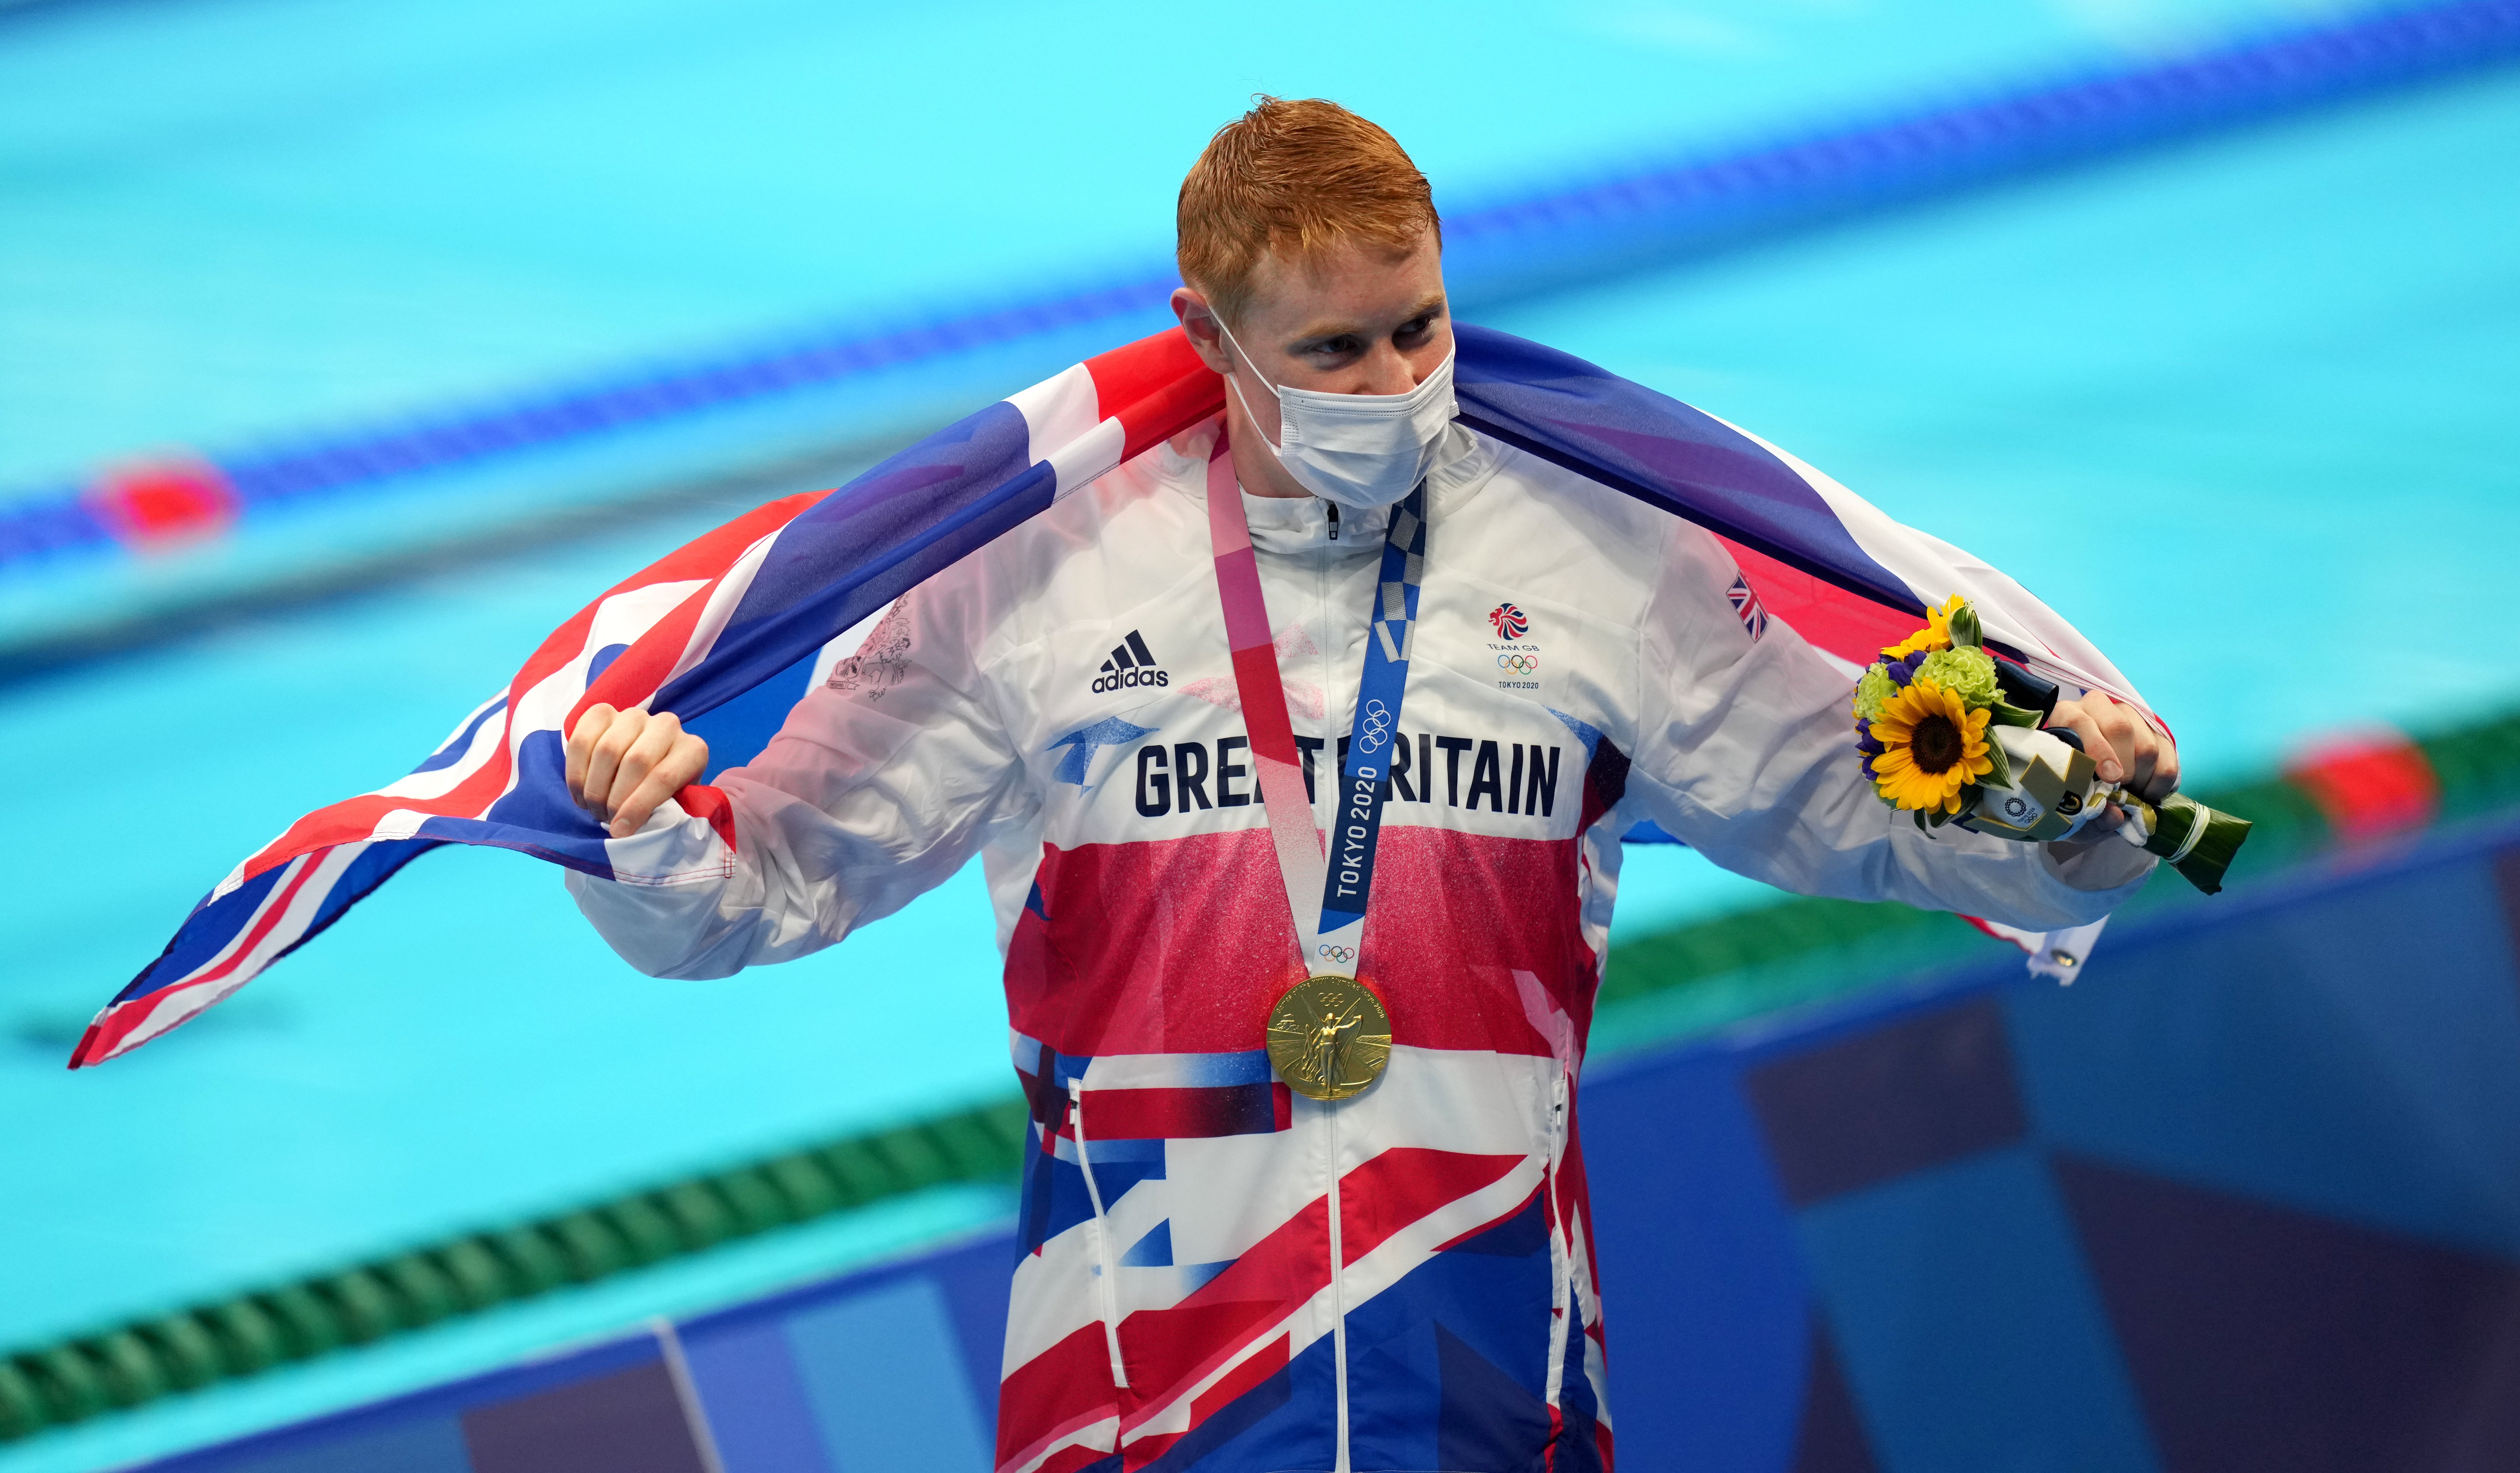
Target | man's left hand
(2122,745)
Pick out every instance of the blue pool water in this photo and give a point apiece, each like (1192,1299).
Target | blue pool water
(2241,412)
(2239,409)
(235,217)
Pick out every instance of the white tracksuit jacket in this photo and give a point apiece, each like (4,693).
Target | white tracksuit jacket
(1062,703)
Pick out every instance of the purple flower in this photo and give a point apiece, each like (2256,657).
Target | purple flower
(1864,741)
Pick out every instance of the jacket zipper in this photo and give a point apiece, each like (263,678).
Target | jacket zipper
(1338,1287)
(1561,1248)
(1109,1269)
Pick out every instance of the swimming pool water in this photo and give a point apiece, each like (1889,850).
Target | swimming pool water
(2241,411)
(228,218)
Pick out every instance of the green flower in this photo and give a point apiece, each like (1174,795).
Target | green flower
(1871,691)
(1967,673)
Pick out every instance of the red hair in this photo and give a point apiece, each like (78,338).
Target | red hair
(1293,179)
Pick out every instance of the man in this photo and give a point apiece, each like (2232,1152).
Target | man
(1376,1255)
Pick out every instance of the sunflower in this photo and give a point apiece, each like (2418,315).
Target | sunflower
(1931,746)
(1936,635)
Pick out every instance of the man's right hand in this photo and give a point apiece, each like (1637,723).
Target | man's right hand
(624,765)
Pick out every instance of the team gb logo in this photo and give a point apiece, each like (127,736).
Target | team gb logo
(1508,621)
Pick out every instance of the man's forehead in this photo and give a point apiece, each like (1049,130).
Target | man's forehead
(1348,288)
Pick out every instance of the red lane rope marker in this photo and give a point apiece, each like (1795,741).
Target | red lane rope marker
(2368,784)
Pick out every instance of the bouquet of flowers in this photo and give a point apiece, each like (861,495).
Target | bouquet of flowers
(1953,734)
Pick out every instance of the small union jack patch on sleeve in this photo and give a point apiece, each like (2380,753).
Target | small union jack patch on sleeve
(1746,607)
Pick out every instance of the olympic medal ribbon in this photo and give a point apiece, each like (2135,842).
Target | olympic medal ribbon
(1331,938)
(1263,694)
(1364,779)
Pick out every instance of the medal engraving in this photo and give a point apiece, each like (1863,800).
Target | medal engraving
(1329,1037)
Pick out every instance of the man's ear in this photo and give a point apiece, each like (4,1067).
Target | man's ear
(1199,321)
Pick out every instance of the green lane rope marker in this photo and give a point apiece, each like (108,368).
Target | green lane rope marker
(755,1199)
(184,1351)
(130,1374)
(590,1246)
(700,1212)
(474,1272)
(21,1405)
(248,1338)
(914,1156)
(71,1386)
(422,1288)
(807,1186)
(366,1309)
(860,1175)
(532,1258)
(649,1234)
(1790,950)
(309,1324)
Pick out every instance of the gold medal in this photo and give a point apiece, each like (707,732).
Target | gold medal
(1329,1037)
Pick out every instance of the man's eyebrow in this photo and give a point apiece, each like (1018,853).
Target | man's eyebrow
(1321,329)
(1432,304)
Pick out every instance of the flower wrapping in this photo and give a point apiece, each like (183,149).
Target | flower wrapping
(1948,733)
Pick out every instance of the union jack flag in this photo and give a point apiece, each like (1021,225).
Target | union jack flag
(771,600)
(1747,608)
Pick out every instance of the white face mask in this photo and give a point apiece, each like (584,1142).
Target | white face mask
(1361,451)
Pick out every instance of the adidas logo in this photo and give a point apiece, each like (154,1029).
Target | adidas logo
(1131,666)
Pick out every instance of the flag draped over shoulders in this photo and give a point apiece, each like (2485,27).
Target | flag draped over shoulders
(728,630)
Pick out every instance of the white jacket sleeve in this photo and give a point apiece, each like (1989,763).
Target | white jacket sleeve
(883,781)
(1745,752)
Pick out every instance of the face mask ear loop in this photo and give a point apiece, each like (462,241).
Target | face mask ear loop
(1245,360)
(1254,418)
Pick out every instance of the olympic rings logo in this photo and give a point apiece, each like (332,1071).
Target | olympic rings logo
(1520,663)
(1340,954)
(1376,724)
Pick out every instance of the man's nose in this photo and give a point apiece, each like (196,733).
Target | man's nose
(1386,372)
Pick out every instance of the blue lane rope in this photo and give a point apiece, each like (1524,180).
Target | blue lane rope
(1524,245)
